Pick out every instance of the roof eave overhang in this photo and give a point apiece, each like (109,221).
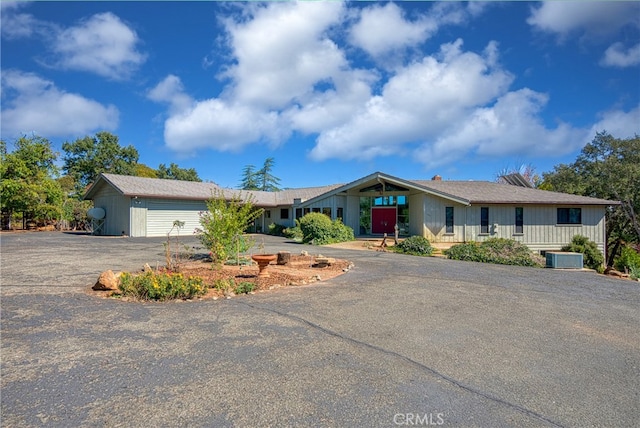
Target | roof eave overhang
(581,204)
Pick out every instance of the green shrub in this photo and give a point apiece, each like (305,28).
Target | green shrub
(317,228)
(469,251)
(495,250)
(244,287)
(161,286)
(634,273)
(239,261)
(415,245)
(294,233)
(341,232)
(224,284)
(509,252)
(276,229)
(593,258)
(627,260)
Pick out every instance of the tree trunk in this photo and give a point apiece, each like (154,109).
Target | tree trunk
(284,257)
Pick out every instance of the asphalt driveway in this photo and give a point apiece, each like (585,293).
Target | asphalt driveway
(397,341)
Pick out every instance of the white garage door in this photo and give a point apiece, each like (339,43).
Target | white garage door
(162,214)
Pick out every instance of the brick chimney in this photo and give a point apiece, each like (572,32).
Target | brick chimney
(436,178)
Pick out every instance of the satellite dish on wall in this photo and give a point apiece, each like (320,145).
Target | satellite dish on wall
(96,213)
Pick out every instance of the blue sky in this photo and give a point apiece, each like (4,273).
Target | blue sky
(333,91)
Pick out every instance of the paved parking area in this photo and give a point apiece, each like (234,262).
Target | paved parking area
(397,341)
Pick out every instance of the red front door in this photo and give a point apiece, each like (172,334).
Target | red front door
(383,220)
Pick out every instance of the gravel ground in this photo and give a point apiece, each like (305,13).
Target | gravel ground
(398,340)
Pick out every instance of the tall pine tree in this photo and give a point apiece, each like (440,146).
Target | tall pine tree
(266,180)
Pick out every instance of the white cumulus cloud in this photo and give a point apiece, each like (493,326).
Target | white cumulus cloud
(563,17)
(419,102)
(171,90)
(617,122)
(37,105)
(288,72)
(102,44)
(617,56)
(282,55)
(382,29)
(384,32)
(511,126)
(282,52)
(218,125)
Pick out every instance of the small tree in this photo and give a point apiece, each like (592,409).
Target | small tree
(225,222)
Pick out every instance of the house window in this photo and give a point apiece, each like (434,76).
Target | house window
(519,220)
(315,210)
(484,220)
(327,211)
(284,213)
(267,213)
(569,215)
(298,212)
(340,213)
(449,219)
(307,211)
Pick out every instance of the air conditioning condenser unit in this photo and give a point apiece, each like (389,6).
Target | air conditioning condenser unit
(562,260)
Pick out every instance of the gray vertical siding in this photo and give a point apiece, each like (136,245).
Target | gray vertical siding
(138,217)
(352,213)
(540,231)
(435,220)
(417,215)
(116,208)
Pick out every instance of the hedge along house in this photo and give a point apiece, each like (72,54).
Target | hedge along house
(145,207)
(441,211)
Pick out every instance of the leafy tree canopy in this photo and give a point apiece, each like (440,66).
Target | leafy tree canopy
(27,182)
(88,157)
(174,172)
(142,170)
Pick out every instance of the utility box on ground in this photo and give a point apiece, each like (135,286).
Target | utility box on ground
(561,260)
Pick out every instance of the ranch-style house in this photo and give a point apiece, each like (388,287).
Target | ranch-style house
(440,210)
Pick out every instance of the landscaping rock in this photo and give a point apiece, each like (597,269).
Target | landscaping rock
(107,281)
(324,261)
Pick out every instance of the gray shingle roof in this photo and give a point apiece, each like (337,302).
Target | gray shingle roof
(486,192)
(191,190)
(156,187)
(471,192)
